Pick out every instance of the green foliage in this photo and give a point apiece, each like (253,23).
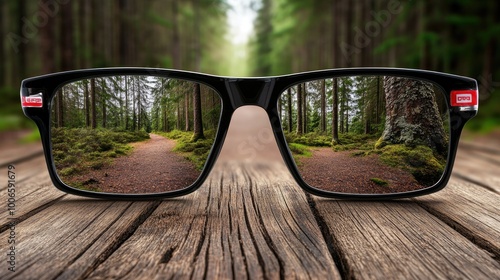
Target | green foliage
(299,149)
(347,141)
(195,151)
(76,150)
(420,161)
(379,182)
(310,139)
(354,141)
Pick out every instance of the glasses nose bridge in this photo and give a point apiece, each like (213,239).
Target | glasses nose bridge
(250,91)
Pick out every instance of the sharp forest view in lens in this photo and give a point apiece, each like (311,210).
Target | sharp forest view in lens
(367,134)
(132,134)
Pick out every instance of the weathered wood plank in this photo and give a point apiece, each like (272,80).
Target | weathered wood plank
(470,210)
(34,191)
(16,153)
(251,221)
(72,236)
(245,222)
(479,167)
(384,240)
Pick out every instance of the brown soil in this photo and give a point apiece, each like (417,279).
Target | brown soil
(152,167)
(345,173)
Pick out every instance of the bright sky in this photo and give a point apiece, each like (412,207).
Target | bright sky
(240,19)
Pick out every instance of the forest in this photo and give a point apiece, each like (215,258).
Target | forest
(371,122)
(43,37)
(454,36)
(99,119)
(132,103)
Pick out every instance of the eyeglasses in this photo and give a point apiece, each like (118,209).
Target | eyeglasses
(141,133)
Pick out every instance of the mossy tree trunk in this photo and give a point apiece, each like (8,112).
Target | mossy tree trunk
(412,115)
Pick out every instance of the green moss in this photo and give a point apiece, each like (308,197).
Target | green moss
(380,143)
(314,139)
(194,150)
(358,153)
(420,161)
(379,182)
(77,150)
(299,150)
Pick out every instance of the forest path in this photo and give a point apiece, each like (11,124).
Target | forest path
(344,172)
(152,165)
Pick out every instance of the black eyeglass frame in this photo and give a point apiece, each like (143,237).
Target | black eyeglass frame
(234,93)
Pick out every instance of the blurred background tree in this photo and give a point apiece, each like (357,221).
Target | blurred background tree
(455,36)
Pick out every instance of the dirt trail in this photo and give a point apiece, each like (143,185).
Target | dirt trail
(345,173)
(152,167)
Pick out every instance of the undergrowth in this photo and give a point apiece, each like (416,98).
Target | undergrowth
(77,150)
(194,151)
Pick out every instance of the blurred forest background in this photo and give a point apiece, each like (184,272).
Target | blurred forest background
(454,36)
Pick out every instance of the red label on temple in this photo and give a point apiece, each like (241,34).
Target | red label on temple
(463,98)
(32,101)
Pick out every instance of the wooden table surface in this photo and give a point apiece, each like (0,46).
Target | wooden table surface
(251,220)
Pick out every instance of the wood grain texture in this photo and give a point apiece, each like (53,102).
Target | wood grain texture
(400,240)
(34,190)
(479,166)
(470,210)
(243,223)
(19,153)
(71,236)
(250,220)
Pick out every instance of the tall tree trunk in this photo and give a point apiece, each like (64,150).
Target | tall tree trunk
(280,108)
(197,115)
(186,113)
(289,105)
(409,120)
(66,48)
(342,108)
(21,54)
(304,110)
(93,103)
(124,45)
(60,107)
(66,36)
(46,45)
(127,127)
(87,102)
(323,106)
(139,111)
(103,102)
(176,48)
(335,112)
(82,34)
(178,123)
(165,118)
(300,127)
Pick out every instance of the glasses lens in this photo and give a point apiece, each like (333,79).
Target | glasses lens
(132,134)
(367,134)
